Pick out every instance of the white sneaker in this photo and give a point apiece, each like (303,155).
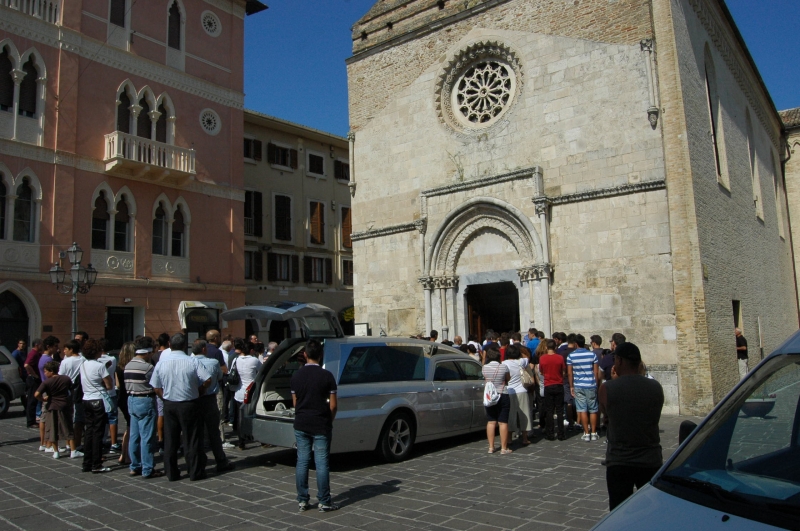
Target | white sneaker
(56,455)
(42,448)
(48,450)
(586,437)
(566,423)
(75,454)
(63,450)
(228,445)
(594,436)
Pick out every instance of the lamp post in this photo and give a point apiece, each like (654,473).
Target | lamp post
(81,279)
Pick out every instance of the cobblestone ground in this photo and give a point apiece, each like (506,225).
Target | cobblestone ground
(451,484)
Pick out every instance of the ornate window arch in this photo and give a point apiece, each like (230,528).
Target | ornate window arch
(715,118)
(143,111)
(30,303)
(176,34)
(22,93)
(179,228)
(26,197)
(165,123)
(6,190)
(126,99)
(162,214)
(9,62)
(102,199)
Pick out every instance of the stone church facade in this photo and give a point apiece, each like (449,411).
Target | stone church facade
(591,166)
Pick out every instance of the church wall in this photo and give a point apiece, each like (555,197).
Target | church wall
(792,184)
(743,255)
(581,117)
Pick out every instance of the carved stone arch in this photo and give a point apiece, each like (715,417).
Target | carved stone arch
(462,224)
(103,187)
(129,89)
(167,205)
(168,105)
(38,61)
(187,215)
(147,93)
(6,177)
(30,303)
(129,199)
(33,179)
(13,53)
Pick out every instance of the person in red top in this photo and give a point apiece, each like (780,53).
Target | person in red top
(553,368)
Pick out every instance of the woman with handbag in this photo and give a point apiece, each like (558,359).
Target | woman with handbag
(519,417)
(497,413)
(96,382)
(247,367)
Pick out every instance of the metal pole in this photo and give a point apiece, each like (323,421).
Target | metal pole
(74,308)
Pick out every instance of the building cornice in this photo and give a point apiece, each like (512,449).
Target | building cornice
(265,120)
(72,41)
(482,182)
(128,282)
(418,225)
(600,193)
(235,8)
(13,148)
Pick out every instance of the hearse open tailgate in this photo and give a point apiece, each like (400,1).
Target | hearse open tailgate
(278,432)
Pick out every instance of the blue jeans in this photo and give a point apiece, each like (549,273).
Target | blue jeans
(143,424)
(322,448)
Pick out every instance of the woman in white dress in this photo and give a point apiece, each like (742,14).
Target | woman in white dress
(247,365)
(519,418)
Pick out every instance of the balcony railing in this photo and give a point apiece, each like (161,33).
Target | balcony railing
(249,226)
(130,155)
(47,10)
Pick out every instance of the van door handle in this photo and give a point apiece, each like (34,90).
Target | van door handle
(442,389)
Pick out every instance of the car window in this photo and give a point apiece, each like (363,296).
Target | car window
(4,360)
(471,370)
(383,363)
(446,371)
(746,454)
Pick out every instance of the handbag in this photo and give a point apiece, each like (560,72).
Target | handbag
(527,380)
(233,377)
(490,395)
(108,404)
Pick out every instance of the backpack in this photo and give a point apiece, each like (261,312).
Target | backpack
(490,395)
(234,379)
(76,390)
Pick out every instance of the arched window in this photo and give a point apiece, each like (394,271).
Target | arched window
(2,210)
(116,13)
(24,213)
(161,125)
(6,81)
(174,27)
(178,233)
(160,231)
(715,119)
(124,113)
(27,90)
(143,122)
(122,226)
(754,174)
(100,219)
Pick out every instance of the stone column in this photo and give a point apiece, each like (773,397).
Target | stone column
(442,285)
(445,284)
(648,46)
(17,76)
(526,275)
(427,286)
(351,140)
(41,88)
(542,274)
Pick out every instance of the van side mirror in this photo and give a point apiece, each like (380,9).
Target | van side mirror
(687,427)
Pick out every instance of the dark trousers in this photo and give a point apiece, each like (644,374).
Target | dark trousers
(209,418)
(182,424)
(620,481)
(239,414)
(94,427)
(554,403)
(32,383)
(226,407)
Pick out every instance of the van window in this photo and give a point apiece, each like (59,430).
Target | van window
(383,363)
(446,371)
(472,371)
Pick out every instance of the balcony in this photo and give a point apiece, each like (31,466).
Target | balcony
(249,226)
(47,10)
(141,158)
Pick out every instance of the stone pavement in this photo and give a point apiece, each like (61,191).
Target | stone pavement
(447,485)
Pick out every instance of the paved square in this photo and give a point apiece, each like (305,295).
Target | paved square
(447,485)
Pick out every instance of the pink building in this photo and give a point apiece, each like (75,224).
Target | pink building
(120,129)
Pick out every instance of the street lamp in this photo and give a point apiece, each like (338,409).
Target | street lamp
(81,279)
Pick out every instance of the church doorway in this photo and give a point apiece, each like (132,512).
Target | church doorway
(492,306)
(13,321)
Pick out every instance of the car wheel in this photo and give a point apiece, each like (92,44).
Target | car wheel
(397,438)
(5,401)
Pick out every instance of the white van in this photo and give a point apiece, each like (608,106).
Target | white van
(739,469)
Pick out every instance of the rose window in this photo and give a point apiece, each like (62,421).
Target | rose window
(478,87)
(483,92)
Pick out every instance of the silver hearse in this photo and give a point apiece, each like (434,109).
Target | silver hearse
(392,392)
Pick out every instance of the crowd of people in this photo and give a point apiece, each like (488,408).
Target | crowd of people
(175,398)
(573,385)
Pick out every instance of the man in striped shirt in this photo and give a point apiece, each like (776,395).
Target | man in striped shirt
(142,407)
(583,370)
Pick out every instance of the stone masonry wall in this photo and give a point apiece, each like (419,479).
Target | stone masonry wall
(743,255)
(792,182)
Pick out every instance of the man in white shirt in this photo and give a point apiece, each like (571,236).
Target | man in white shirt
(71,366)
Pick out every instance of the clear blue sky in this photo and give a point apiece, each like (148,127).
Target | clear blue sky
(295,52)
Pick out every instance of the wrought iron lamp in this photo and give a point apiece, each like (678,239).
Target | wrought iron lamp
(80,280)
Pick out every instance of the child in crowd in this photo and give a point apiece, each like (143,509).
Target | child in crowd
(55,392)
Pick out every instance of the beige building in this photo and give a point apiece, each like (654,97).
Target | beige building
(297,219)
(587,166)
